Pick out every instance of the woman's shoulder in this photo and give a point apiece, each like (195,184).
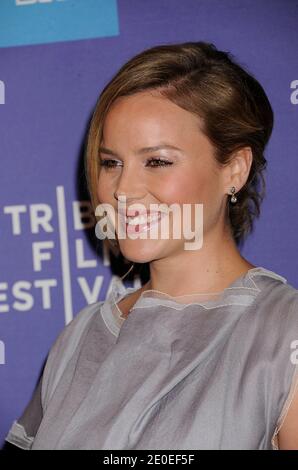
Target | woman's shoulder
(275,311)
(277,344)
(23,431)
(64,347)
(72,332)
(275,292)
(270,323)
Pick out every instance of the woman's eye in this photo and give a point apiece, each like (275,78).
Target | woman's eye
(159,162)
(152,162)
(108,163)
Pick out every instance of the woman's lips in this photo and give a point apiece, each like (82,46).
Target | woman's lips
(135,228)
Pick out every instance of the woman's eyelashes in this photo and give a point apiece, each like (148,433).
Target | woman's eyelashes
(159,162)
(151,162)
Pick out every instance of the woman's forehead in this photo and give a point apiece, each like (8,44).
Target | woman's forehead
(147,121)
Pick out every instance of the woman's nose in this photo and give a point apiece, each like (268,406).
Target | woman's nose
(131,186)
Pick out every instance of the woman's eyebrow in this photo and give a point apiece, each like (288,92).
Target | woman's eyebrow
(142,150)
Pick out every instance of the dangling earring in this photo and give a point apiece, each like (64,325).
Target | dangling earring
(233,198)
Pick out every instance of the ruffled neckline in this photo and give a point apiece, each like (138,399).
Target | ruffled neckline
(240,292)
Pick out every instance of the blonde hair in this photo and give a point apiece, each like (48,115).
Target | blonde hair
(209,83)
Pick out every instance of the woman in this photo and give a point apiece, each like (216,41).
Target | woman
(202,355)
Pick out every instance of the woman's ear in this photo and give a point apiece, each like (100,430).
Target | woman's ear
(238,168)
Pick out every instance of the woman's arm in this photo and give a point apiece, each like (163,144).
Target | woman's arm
(288,433)
(23,431)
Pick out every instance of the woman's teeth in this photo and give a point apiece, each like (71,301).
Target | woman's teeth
(141,219)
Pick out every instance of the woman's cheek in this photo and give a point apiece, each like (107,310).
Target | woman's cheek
(183,189)
(171,189)
(104,190)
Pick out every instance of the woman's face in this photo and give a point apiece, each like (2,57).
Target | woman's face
(189,174)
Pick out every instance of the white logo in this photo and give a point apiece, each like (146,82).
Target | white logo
(294,95)
(39,217)
(31,2)
(2,92)
(294,355)
(2,353)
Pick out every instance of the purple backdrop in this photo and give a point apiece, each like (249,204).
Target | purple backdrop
(47,92)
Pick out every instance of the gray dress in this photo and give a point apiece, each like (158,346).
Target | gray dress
(192,372)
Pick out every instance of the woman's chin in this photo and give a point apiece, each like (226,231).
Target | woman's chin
(141,251)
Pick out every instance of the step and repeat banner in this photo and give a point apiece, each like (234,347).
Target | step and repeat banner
(55,58)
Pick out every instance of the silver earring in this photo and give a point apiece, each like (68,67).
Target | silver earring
(233,198)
